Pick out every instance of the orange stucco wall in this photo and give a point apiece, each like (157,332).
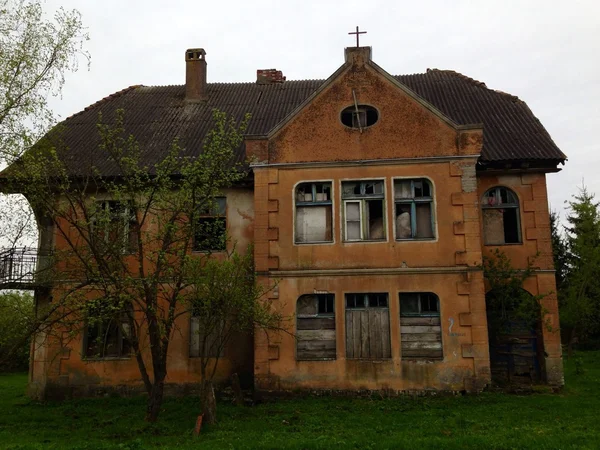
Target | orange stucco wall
(59,367)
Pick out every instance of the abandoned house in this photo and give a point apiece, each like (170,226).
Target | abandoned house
(374,199)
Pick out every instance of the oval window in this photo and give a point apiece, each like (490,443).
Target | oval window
(360,116)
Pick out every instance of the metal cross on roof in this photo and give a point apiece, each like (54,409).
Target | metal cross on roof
(357,33)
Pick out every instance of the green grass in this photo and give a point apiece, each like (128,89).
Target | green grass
(567,420)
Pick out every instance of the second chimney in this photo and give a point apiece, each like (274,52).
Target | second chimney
(269,76)
(195,75)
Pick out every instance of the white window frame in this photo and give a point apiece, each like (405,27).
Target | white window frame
(333,206)
(362,201)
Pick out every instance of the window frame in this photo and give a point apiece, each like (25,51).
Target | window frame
(211,215)
(328,316)
(121,337)
(363,110)
(362,199)
(413,201)
(126,217)
(330,202)
(422,315)
(191,341)
(516,206)
(367,306)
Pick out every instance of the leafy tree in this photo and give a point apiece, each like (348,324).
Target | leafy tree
(16,315)
(35,55)
(123,245)
(581,306)
(225,300)
(36,52)
(507,298)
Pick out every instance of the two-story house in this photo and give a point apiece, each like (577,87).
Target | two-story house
(374,199)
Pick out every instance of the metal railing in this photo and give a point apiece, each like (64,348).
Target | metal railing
(19,268)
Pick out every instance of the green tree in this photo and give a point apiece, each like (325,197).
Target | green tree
(581,307)
(225,300)
(16,315)
(507,298)
(124,256)
(35,54)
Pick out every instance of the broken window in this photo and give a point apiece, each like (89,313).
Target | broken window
(211,226)
(315,327)
(115,224)
(313,212)
(367,326)
(500,211)
(360,116)
(414,209)
(205,340)
(106,334)
(364,211)
(420,326)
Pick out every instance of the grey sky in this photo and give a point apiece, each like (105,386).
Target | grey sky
(545,52)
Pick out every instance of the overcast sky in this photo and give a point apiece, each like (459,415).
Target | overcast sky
(545,52)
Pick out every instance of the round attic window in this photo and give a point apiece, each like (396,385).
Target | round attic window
(360,116)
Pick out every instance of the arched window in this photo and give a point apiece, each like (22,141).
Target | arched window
(501,221)
(315,327)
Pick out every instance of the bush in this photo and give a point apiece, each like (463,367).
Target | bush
(16,313)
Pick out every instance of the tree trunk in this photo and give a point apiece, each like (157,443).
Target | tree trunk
(208,403)
(155,400)
(572,341)
(237,390)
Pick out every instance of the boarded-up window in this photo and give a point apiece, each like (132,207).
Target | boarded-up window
(414,209)
(313,213)
(315,327)
(364,211)
(500,210)
(367,326)
(204,341)
(420,327)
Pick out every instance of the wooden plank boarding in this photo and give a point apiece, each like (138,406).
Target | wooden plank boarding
(421,345)
(316,323)
(421,338)
(425,321)
(368,333)
(315,335)
(315,338)
(419,329)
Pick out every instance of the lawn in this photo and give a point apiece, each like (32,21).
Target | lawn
(570,419)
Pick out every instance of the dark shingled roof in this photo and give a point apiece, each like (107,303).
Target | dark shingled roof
(156,115)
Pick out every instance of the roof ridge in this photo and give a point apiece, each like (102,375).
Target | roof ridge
(105,99)
(460,75)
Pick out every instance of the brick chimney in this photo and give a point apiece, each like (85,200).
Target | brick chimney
(269,76)
(195,75)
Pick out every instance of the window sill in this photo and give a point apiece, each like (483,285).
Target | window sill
(106,358)
(502,245)
(374,361)
(432,239)
(360,241)
(313,243)
(425,360)
(315,359)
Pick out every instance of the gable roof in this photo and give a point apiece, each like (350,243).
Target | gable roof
(156,115)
